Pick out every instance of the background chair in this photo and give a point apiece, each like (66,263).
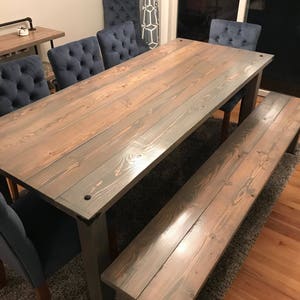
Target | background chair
(76,61)
(118,44)
(21,82)
(119,11)
(237,35)
(36,239)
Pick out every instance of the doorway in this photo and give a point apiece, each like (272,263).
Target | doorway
(194,16)
(280,21)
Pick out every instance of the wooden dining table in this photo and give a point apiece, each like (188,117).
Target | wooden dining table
(84,147)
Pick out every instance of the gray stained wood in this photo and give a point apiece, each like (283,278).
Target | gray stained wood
(12,42)
(172,257)
(100,136)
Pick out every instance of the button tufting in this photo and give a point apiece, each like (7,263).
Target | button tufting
(37,80)
(5,75)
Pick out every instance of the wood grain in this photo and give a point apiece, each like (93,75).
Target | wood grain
(173,256)
(12,42)
(102,135)
(271,270)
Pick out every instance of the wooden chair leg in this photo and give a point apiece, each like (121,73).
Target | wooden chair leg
(225,126)
(42,292)
(13,189)
(2,275)
(4,189)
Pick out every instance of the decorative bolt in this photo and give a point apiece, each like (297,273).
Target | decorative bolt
(87,197)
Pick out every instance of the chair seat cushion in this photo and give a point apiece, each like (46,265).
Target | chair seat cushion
(53,232)
(229,105)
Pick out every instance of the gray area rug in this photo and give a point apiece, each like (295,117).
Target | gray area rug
(139,206)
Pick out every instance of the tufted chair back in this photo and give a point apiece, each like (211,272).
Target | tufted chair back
(234,34)
(119,11)
(118,44)
(21,82)
(76,61)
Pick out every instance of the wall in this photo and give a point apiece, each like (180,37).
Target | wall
(168,20)
(243,8)
(77,18)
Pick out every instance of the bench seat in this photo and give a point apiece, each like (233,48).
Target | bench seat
(174,254)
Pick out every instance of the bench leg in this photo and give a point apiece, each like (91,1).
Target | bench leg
(249,100)
(292,147)
(95,254)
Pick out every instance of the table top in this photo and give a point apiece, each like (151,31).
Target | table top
(12,42)
(85,146)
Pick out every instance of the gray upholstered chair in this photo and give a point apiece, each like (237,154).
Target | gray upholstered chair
(118,43)
(238,35)
(36,239)
(21,83)
(76,61)
(119,11)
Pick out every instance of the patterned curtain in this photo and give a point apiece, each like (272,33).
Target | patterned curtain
(150,22)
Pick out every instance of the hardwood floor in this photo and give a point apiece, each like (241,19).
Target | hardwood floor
(272,269)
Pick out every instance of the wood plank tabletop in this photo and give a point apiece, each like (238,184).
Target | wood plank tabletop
(12,42)
(85,146)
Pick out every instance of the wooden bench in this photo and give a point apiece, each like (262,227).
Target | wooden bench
(173,256)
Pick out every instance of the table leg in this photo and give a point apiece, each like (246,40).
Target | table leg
(249,101)
(95,253)
(293,146)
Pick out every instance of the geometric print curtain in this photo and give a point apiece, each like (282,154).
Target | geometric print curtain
(150,22)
